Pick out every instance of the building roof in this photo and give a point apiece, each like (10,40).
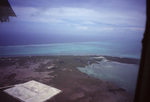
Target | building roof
(32,91)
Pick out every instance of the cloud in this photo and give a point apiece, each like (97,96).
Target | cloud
(135,28)
(85,16)
(88,23)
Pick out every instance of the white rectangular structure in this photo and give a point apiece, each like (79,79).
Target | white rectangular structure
(32,91)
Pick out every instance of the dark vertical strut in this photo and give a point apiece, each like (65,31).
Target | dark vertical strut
(143,83)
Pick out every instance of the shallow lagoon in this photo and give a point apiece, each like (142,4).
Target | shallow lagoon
(123,75)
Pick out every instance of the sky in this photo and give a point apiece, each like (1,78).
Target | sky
(57,21)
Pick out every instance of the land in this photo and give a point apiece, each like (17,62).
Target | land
(61,72)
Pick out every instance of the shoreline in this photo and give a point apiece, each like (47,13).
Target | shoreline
(126,60)
(62,73)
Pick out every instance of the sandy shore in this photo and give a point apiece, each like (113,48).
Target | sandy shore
(61,72)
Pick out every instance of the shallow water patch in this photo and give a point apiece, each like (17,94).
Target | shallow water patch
(123,75)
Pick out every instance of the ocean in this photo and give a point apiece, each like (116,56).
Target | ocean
(111,48)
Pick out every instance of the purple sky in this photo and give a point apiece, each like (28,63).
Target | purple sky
(75,20)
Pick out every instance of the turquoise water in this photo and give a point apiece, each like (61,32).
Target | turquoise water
(123,75)
(78,48)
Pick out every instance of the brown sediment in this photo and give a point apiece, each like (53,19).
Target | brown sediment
(61,72)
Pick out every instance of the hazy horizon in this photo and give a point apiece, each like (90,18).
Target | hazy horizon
(63,21)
